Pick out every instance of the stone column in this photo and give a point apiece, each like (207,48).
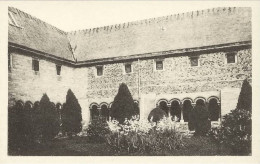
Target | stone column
(219,118)
(99,111)
(182,120)
(169,110)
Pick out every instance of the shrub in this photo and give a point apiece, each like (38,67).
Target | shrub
(48,119)
(123,105)
(97,130)
(71,114)
(16,135)
(201,119)
(235,132)
(156,115)
(144,137)
(245,97)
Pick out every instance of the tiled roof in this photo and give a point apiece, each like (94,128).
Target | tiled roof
(38,35)
(187,30)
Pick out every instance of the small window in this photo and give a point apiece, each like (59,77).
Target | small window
(35,65)
(159,65)
(99,70)
(58,69)
(128,68)
(11,19)
(9,62)
(231,57)
(194,61)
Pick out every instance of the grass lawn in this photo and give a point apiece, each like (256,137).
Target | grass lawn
(80,146)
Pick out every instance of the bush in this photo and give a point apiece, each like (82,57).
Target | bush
(48,119)
(16,137)
(156,115)
(71,114)
(245,97)
(123,105)
(235,132)
(200,120)
(97,130)
(141,136)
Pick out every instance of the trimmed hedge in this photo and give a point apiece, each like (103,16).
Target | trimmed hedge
(71,114)
(245,97)
(123,105)
(48,121)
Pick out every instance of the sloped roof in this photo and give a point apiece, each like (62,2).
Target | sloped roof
(38,35)
(186,30)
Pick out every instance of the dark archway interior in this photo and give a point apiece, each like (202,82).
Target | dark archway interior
(200,102)
(28,106)
(187,107)
(94,111)
(164,107)
(214,110)
(105,112)
(176,110)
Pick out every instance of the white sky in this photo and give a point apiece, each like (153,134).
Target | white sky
(69,16)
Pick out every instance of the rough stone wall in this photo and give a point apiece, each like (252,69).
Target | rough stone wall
(178,77)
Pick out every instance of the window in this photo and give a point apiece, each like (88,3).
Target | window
(231,57)
(11,19)
(58,69)
(159,65)
(35,65)
(9,62)
(128,68)
(99,70)
(194,61)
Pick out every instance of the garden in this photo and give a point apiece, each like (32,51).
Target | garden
(43,129)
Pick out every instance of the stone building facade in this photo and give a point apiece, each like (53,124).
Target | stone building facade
(172,62)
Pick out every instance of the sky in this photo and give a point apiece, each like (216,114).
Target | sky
(71,16)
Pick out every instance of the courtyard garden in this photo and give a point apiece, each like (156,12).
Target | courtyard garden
(43,129)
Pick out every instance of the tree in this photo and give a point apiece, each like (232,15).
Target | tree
(245,97)
(123,105)
(201,119)
(48,119)
(71,114)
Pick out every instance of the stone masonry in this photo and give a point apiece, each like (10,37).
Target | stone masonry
(129,43)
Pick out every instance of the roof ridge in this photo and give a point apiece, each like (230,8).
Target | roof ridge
(13,9)
(177,16)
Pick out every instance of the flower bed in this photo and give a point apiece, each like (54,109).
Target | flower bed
(142,136)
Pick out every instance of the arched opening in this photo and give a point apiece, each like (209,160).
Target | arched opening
(36,106)
(19,106)
(94,111)
(176,110)
(187,107)
(214,109)
(164,107)
(200,102)
(105,111)
(28,106)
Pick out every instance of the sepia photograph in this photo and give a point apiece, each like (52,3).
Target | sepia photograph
(117,78)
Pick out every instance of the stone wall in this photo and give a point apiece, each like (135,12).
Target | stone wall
(26,85)
(177,80)
(178,77)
